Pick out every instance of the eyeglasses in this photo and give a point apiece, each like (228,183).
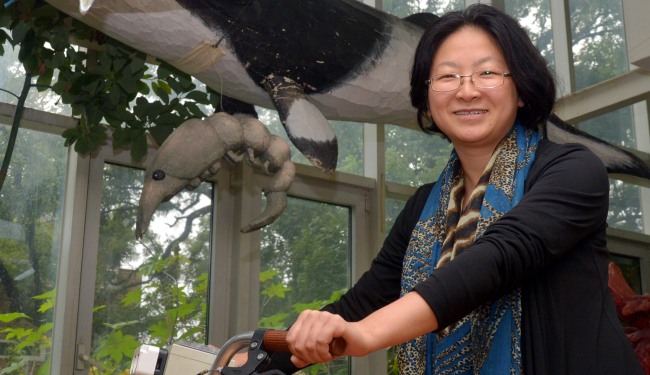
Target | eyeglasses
(482,79)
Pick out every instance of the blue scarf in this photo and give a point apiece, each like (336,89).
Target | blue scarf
(487,341)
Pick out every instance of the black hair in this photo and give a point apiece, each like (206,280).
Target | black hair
(534,82)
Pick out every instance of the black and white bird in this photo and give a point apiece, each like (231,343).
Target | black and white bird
(311,60)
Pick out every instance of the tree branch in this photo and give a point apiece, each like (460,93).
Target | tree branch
(20,107)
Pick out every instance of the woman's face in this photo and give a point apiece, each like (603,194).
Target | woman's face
(469,116)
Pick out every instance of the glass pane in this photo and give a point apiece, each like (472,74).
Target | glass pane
(151,291)
(12,77)
(616,127)
(403,8)
(31,200)
(625,206)
(631,269)
(11,74)
(305,263)
(598,40)
(413,157)
(393,208)
(349,136)
(535,17)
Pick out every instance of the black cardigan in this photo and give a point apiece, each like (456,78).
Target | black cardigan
(552,245)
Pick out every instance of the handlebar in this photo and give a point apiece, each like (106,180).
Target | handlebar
(276,341)
(260,343)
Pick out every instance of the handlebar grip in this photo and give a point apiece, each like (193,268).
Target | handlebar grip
(276,341)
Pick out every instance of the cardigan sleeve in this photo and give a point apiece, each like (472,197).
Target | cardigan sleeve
(566,200)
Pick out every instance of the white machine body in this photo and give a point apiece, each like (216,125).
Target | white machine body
(180,358)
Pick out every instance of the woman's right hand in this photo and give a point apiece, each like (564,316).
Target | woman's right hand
(310,336)
(397,322)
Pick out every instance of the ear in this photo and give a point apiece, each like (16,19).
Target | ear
(520,103)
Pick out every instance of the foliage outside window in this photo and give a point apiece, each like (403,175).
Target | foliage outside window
(625,208)
(403,8)
(305,262)
(150,291)
(30,227)
(598,38)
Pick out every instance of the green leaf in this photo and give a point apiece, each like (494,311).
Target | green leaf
(29,340)
(276,321)
(10,317)
(185,81)
(276,290)
(82,146)
(194,110)
(268,275)
(44,80)
(127,83)
(132,298)
(18,33)
(143,88)
(163,71)
(139,147)
(31,63)
(61,39)
(165,86)
(50,294)
(119,63)
(162,93)
(160,330)
(85,82)
(4,35)
(136,64)
(17,366)
(121,138)
(185,309)
(49,297)
(114,95)
(200,97)
(97,138)
(175,85)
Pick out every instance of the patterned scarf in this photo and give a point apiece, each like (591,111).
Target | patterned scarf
(487,341)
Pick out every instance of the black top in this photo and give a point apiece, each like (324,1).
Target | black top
(552,244)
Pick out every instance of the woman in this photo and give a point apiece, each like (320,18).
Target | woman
(501,265)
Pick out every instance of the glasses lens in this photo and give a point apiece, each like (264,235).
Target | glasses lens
(445,82)
(487,79)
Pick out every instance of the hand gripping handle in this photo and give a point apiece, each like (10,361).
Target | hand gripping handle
(276,341)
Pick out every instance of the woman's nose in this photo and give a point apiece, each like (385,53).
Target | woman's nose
(467,88)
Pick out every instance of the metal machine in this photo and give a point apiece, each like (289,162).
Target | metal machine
(184,358)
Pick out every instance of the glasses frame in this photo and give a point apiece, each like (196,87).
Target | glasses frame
(471,78)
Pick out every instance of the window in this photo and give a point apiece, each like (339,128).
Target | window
(535,17)
(598,41)
(305,263)
(403,8)
(150,291)
(30,227)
